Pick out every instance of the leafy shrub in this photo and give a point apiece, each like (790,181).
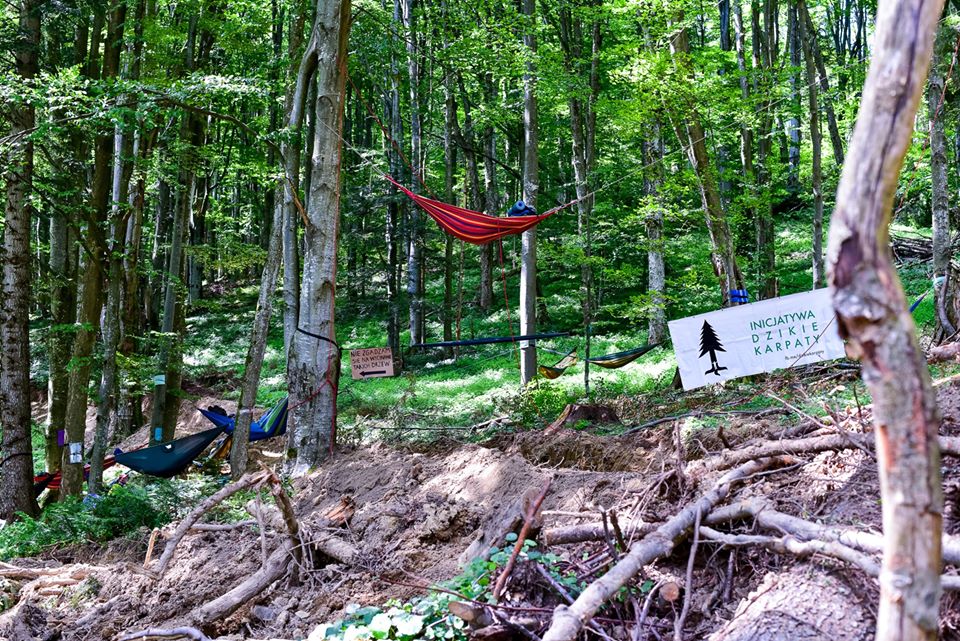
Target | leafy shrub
(122,511)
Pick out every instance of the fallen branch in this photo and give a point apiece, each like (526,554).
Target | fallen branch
(790,545)
(528,520)
(699,414)
(941,353)
(289,517)
(222,527)
(223,606)
(949,446)
(207,504)
(593,532)
(568,621)
(764,515)
(172,633)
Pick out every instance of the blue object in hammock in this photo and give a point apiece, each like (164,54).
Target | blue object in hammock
(521,208)
(273,423)
(739,296)
(917,302)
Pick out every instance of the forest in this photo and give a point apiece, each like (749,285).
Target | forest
(443,319)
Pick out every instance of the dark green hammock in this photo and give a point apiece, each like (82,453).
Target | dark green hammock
(609,361)
(168,459)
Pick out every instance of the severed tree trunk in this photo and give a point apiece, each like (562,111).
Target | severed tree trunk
(16,466)
(816,143)
(723,256)
(531,187)
(801,604)
(873,317)
(313,369)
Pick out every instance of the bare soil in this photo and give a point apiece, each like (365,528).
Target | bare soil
(419,515)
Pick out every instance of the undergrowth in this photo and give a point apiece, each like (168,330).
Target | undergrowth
(429,616)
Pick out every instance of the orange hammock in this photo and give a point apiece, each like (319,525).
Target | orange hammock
(473,226)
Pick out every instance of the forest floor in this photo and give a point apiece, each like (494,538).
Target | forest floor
(414,514)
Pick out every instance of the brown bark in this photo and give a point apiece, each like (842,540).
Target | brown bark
(313,370)
(813,43)
(16,466)
(872,315)
(723,255)
(531,187)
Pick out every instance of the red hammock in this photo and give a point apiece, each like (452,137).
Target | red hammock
(472,226)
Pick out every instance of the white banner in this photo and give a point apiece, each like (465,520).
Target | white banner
(760,337)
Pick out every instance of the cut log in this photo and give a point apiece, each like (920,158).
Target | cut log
(802,604)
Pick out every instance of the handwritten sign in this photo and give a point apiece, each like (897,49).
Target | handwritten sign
(762,337)
(374,362)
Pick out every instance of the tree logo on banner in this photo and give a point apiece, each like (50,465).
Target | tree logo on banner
(710,344)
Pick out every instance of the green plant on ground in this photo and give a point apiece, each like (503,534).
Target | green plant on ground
(122,511)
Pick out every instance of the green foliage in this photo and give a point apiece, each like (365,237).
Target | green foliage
(122,511)
(429,617)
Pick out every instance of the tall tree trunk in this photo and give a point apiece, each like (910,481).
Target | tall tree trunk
(813,43)
(449,165)
(816,142)
(491,196)
(92,300)
(120,182)
(872,315)
(723,256)
(764,65)
(531,187)
(16,468)
(656,273)
(415,228)
(299,76)
(300,73)
(793,122)
(940,201)
(314,365)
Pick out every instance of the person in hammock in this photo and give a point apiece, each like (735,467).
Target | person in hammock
(521,208)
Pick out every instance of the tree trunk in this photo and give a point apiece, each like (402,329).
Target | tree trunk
(793,121)
(940,190)
(723,256)
(491,197)
(764,67)
(814,44)
(415,230)
(299,76)
(16,468)
(531,187)
(816,142)
(314,364)
(92,301)
(873,317)
(449,165)
(656,273)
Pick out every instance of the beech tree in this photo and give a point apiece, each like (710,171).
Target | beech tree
(313,368)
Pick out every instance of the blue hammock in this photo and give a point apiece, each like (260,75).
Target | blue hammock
(273,423)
